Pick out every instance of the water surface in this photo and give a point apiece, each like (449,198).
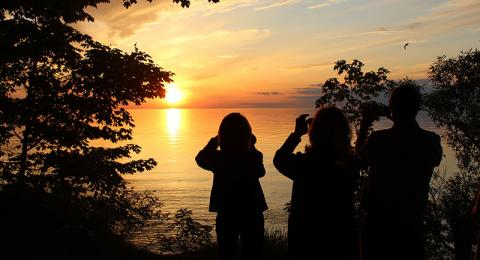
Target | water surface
(173,137)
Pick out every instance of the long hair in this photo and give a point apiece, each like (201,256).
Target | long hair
(330,134)
(235,133)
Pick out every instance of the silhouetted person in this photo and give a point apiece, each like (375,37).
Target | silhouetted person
(401,162)
(236,195)
(321,222)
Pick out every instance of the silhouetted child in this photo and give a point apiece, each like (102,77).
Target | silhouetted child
(236,194)
(321,223)
(400,162)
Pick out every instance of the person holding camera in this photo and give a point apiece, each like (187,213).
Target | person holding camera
(400,163)
(236,195)
(321,222)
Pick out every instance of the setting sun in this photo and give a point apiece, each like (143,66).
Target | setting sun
(173,95)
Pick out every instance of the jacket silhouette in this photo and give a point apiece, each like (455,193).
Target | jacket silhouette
(400,162)
(321,222)
(236,194)
(236,186)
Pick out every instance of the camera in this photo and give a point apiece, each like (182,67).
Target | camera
(375,109)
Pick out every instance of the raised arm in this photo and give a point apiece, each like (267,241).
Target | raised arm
(369,115)
(208,158)
(285,160)
(257,168)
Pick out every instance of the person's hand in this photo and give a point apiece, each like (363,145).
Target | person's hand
(253,140)
(301,125)
(213,143)
(369,115)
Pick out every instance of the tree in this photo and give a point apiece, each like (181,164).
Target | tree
(59,91)
(454,105)
(357,90)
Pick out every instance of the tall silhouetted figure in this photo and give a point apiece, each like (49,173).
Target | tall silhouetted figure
(321,222)
(236,195)
(401,162)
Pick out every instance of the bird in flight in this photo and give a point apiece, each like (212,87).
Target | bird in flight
(405,46)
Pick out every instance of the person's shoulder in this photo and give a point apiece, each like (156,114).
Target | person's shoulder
(430,135)
(256,153)
(249,155)
(380,134)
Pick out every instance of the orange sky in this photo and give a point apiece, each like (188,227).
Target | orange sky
(253,53)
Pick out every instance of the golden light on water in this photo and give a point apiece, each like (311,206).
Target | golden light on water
(174,121)
(173,94)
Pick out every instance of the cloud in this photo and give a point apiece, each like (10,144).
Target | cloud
(277,3)
(308,91)
(228,6)
(116,21)
(203,77)
(325,4)
(113,21)
(305,96)
(446,17)
(230,36)
(377,32)
(202,49)
(413,26)
(227,56)
(318,6)
(269,93)
(308,66)
(303,101)
(266,104)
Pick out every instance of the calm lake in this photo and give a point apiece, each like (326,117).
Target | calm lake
(173,137)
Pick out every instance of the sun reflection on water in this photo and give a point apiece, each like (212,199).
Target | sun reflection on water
(174,121)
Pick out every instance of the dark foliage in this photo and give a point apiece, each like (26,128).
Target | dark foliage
(454,105)
(62,98)
(357,90)
(184,235)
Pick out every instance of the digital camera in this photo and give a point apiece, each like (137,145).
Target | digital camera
(375,108)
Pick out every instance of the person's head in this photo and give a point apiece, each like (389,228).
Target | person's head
(405,103)
(235,133)
(330,133)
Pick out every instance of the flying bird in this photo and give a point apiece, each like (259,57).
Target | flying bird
(405,46)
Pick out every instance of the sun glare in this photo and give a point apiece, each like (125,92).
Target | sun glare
(173,95)
(173,121)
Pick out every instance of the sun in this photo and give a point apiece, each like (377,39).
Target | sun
(173,95)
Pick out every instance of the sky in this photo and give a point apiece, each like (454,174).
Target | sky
(277,53)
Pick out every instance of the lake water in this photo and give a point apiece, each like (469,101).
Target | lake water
(173,137)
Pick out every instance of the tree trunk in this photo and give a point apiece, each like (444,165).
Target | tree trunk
(24,154)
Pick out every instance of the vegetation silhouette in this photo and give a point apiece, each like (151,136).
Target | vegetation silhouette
(357,90)
(59,92)
(236,195)
(476,220)
(183,235)
(62,197)
(454,105)
(324,179)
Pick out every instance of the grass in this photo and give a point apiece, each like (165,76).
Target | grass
(275,248)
